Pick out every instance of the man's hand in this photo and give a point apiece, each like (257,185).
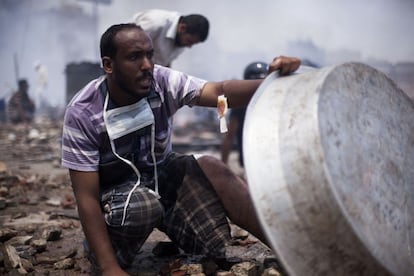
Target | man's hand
(285,65)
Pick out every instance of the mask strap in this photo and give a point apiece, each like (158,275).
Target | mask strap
(154,161)
(132,165)
(123,159)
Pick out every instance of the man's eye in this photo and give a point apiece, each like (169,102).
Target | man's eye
(137,56)
(134,57)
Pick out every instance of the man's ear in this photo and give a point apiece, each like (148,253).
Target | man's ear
(107,65)
(181,28)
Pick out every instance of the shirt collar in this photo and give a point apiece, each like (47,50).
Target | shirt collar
(172,30)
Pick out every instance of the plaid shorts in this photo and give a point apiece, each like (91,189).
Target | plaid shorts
(189,211)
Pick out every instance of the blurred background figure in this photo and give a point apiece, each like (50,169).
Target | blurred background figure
(3,117)
(21,108)
(234,135)
(41,85)
(171,32)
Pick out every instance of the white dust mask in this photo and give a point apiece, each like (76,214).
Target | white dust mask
(126,119)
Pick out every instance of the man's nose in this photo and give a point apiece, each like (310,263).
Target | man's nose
(147,63)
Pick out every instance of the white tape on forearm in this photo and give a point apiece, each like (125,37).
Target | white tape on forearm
(222,104)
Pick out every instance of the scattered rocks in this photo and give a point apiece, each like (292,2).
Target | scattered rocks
(41,234)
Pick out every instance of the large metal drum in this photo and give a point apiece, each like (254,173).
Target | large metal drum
(329,157)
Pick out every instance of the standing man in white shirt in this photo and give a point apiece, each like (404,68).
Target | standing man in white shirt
(171,32)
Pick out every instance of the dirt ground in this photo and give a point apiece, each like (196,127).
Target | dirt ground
(36,198)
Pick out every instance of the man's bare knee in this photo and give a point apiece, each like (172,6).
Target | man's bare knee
(208,160)
(215,169)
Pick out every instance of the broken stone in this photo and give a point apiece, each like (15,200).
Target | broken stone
(9,180)
(7,233)
(68,202)
(70,253)
(33,201)
(52,185)
(3,167)
(11,203)
(245,269)
(271,272)
(3,203)
(24,167)
(238,233)
(31,180)
(19,240)
(29,229)
(26,265)
(12,259)
(192,269)
(50,258)
(56,163)
(55,202)
(4,191)
(25,251)
(11,137)
(67,263)
(39,244)
(52,233)
(33,134)
(46,259)
(19,215)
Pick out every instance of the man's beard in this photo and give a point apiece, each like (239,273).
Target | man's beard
(133,92)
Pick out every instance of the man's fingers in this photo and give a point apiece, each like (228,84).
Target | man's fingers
(285,65)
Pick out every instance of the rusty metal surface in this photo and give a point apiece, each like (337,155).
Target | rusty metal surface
(329,161)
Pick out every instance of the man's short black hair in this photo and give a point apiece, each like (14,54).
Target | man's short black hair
(22,82)
(107,44)
(196,24)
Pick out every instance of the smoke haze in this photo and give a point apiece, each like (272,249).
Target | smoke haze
(55,33)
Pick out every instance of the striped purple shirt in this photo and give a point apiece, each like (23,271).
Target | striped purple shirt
(85,142)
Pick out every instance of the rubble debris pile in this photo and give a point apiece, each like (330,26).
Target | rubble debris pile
(40,231)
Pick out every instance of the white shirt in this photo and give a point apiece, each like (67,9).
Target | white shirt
(161,26)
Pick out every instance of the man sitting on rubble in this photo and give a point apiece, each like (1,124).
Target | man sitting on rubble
(125,176)
(21,108)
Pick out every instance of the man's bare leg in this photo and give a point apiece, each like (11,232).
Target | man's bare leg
(234,194)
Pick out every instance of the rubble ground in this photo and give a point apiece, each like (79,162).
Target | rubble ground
(40,231)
